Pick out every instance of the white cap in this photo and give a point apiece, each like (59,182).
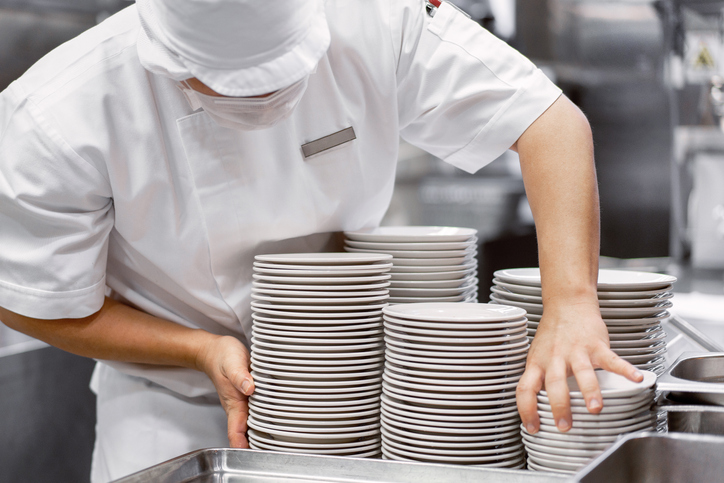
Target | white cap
(236,47)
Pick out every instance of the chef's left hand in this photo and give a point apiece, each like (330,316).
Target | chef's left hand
(571,339)
(226,361)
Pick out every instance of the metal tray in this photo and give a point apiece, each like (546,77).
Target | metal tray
(659,458)
(695,378)
(700,419)
(224,465)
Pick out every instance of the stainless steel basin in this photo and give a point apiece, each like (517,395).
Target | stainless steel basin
(699,419)
(695,378)
(659,458)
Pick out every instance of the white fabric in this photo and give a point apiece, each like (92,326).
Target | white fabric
(159,423)
(236,47)
(108,178)
(248,113)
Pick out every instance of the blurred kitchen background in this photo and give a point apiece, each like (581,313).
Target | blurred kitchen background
(648,74)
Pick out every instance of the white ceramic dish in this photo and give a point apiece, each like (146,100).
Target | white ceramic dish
(588,432)
(545,448)
(582,421)
(301,370)
(319,336)
(406,443)
(455,390)
(373,351)
(413,440)
(259,304)
(462,426)
(311,314)
(267,339)
(452,398)
(309,273)
(320,433)
(602,295)
(455,377)
(556,445)
(415,300)
(446,262)
(411,234)
(474,365)
(317,303)
(578,460)
(372,450)
(470,265)
(317,393)
(652,334)
(608,410)
(278,376)
(647,346)
(437,381)
(414,246)
(438,410)
(323,281)
(452,339)
(314,330)
(608,280)
(407,410)
(416,254)
(471,354)
(532,465)
(398,277)
(443,330)
(362,287)
(315,412)
(313,293)
(465,281)
(514,323)
(320,404)
(454,313)
(435,292)
(263,436)
(612,385)
(291,268)
(494,369)
(475,459)
(337,258)
(646,395)
(621,303)
(550,463)
(469,348)
(502,434)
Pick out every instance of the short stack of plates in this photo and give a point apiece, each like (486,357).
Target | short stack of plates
(317,353)
(632,305)
(627,407)
(448,394)
(430,263)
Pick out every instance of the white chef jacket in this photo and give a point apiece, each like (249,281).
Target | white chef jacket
(109,181)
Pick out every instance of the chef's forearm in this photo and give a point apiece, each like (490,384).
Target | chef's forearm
(556,154)
(117,332)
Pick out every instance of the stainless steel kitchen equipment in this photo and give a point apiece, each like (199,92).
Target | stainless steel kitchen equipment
(700,419)
(695,378)
(659,458)
(249,466)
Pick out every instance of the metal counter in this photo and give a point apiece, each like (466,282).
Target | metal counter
(250,466)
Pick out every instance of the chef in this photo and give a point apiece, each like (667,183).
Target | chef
(144,163)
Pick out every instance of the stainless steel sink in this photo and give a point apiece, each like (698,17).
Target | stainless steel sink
(695,378)
(659,458)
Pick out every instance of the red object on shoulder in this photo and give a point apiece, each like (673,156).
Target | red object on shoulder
(435,3)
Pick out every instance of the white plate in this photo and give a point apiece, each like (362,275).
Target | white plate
(331,431)
(434,411)
(606,411)
(466,297)
(337,258)
(317,393)
(624,303)
(433,284)
(468,348)
(612,385)
(407,410)
(454,313)
(641,321)
(260,343)
(332,379)
(571,438)
(398,278)
(464,427)
(455,377)
(338,421)
(403,382)
(320,404)
(655,333)
(471,460)
(587,432)
(517,323)
(309,273)
(608,280)
(444,331)
(312,330)
(473,365)
(406,443)
(335,302)
(532,465)
(300,371)
(491,444)
(579,460)
(436,379)
(412,234)
(408,268)
(647,395)
(355,354)
(356,268)
(396,429)
(471,249)
(496,370)
(606,312)
(376,329)
(316,412)
(644,358)
(549,463)
(602,295)
(323,435)
(371,450)
(452,352)
(581,453)
(457,399)
(259,304)
(362,287)
(414,246)
(341,280)
(303,314)
(655,342)
(616,419)
(453,339)
(446,262)
(315,294)
(470,285)
(340,339)
(270,439)
(556,445)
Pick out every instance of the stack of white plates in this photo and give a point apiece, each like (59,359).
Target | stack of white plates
(632,305)
(317,353)
(451,371)
(627,407)
(429,264)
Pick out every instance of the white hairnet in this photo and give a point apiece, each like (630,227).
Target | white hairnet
(236,47)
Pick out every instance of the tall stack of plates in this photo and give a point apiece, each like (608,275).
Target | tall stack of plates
(429,264)
(448,394)
(632,305)
(627,407)
(317,352)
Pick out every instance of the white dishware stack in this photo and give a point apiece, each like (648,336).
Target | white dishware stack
(429,264)
(317,353)
(633,304)
(627,407)
(450,376)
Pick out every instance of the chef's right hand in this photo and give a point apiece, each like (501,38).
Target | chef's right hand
(226,361)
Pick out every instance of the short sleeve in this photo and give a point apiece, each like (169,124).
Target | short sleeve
(463,94)
(55,218)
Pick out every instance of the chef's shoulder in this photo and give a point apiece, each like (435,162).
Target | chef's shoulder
(89,63)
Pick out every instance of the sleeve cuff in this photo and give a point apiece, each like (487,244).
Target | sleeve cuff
(507,125)
(47,305)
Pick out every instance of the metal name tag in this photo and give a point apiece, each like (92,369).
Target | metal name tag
(328,142)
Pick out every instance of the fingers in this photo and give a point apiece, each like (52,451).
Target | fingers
(237,413)
(557,390)
(606,359)
(588,384)
(525,394)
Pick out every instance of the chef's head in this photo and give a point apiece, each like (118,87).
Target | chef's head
(236,48)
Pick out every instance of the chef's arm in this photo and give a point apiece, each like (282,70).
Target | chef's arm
(119,332)
(556,156)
